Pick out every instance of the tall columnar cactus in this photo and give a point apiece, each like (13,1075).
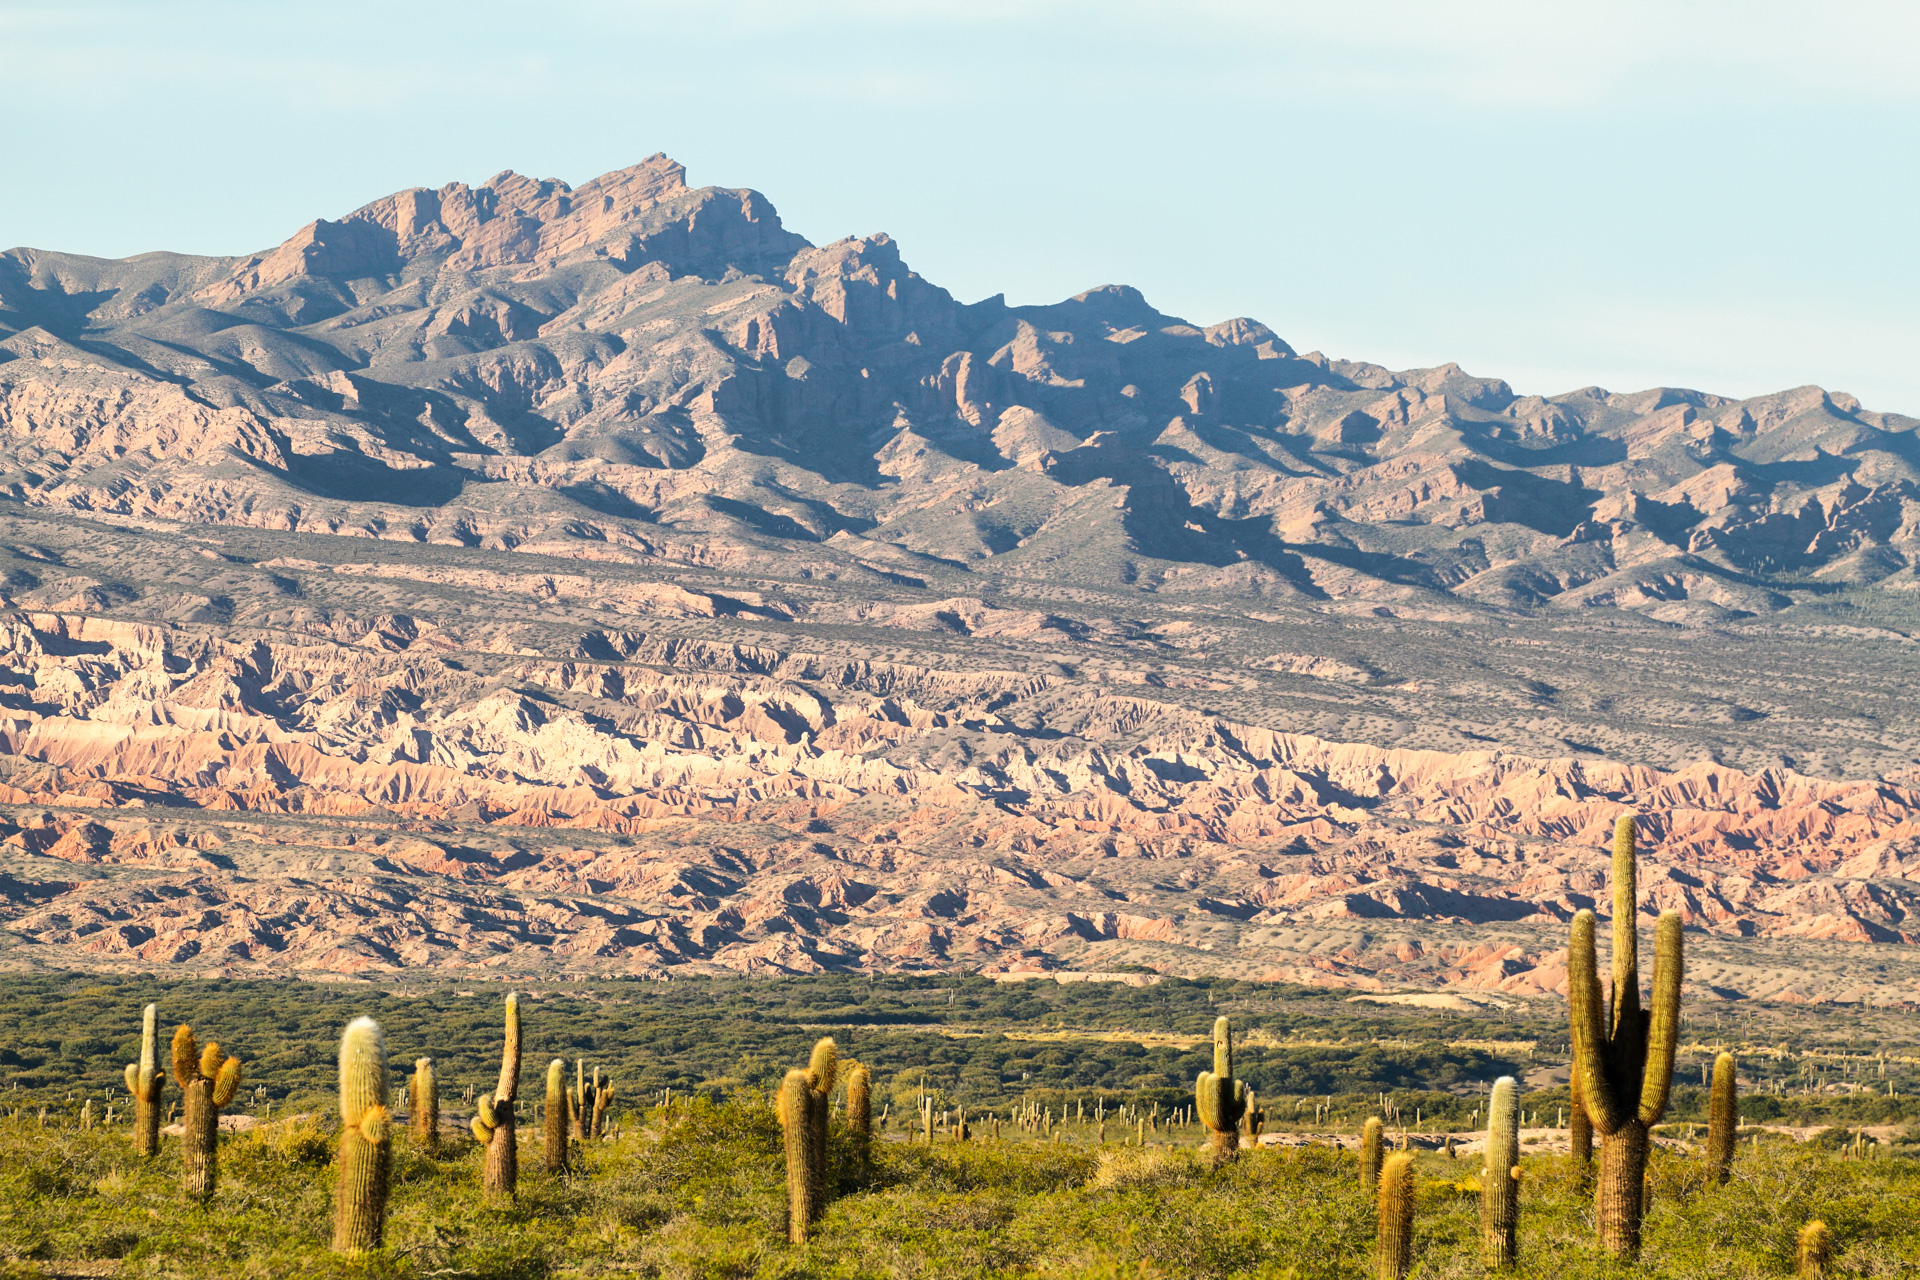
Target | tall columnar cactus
(823,1068)
(1393,1244)
(557,1116)
(423,1105)
(1626,1062)
(208,1080)
(1219,1099)
(1500,1177)
(1372,1142)
(145,1083)
(1813,1259)
(579,1099)
(860,1106)
(366,1140)
(493,1123)
(1723,1118)
(795,1106)
(1580,1136)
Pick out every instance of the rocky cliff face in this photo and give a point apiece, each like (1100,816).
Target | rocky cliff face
(531,578)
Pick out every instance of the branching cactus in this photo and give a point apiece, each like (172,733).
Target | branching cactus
(1813,1259)
(493,1121)
(1372,1144)
(1393,1243)
(557,1116)
(1221,1100)
(1500,1177)
(145,1083)
(796,1122)
(208,1080)
(423,1105)
(1723,1118)
(1625,1062)
(366,1141)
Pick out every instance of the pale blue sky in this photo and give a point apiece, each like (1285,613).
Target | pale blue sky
(1717,195)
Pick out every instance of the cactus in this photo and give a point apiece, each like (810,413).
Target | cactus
(208,1080)
(145,1082)
(602,1095)
(423,1106)
(1813,1259)
(1625,1065)
(578,1099)
(823,1068)
(1393,1244)
(557,1116)
(795,1107)
(493,1121)
(1500,1177)
(1580,1136)
(1723,1118)
(366,1140)
(1256,1119)
(1220,1099)
(1372,1139)
(860,1108)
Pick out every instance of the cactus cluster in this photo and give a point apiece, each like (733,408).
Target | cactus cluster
(1625,1062)
(366,1140)
(208,1080)
(588,1101)
(1500,1177)
(1219,1099)
(802,1108)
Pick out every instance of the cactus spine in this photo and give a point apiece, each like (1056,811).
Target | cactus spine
(1723,1118)
(208,1080)
(366,1140)
(423,1105)
(1500,1177)
(493,1123)
(1393,1244)
(145,1083)
(1220,1100)
(558,1116)
(1372,1139)
(1626,1064)
(1813,1259)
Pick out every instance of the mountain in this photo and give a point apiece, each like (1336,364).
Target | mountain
(530,578)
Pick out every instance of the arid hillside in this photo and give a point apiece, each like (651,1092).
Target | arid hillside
(530,579)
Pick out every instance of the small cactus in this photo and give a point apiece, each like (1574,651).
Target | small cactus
(1813,1259)
(1393,1243)
(145,1083)
(1220,1099)
(557,1116)
(1372,1142)
(1500,1177)
(493,1121)
(423,1105)
(1723,1118)
(366,1140)
(208,1080)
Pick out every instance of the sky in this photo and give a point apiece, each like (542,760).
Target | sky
(1682,193)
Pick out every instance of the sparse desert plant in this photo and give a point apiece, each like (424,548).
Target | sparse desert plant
(493,1121)
(1500,1177)
(145,1085)
(1625,1063)
(1393,1238)
(1723,1119)
(423,1106)
(366,1140)
(1219,1099)
(208,1080)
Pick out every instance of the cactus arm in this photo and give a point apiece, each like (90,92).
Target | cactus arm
(149,1037)
(1589,1037)
(1663,1027)
(1222,1048)
(186,1056)
(509,1088)
(483,1111)
(226,1082)
(823,1066)
(210,1060)
(363,1070)
(1626,937)
(133,1080)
